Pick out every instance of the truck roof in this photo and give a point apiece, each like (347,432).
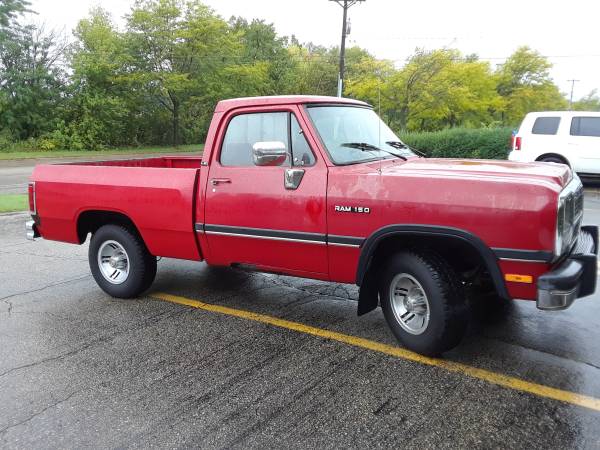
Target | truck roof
(226,105)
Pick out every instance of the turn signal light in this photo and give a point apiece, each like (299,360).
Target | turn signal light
(518,278)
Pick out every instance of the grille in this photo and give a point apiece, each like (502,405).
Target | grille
(570,215)
(585,243)
(578,204)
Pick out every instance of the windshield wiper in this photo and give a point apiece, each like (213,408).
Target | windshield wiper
(366,147)
(401,145)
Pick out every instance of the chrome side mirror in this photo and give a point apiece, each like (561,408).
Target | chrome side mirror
(269,153)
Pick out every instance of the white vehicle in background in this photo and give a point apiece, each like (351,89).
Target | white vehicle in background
(567,137)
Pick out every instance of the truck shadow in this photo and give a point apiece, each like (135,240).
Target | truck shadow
(314,302)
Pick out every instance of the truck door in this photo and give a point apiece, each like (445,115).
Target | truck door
(271,216)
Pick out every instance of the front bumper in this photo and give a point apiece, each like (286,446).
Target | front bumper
(575,277)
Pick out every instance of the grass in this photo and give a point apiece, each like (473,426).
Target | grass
(13,202)
(34,154)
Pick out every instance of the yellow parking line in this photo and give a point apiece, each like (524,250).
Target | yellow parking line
(491,377)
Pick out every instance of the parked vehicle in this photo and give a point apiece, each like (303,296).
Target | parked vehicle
(320,187)
(565,137)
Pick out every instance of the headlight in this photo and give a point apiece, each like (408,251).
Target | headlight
(569,215)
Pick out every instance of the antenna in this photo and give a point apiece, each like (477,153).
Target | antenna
(379,114)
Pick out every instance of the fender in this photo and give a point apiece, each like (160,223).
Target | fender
(368,291)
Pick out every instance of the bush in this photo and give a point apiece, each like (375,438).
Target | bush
(483,143)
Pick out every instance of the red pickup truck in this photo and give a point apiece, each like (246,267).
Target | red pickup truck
(320,187)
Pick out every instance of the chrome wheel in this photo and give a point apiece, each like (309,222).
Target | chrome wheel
(409,303)
(113,262)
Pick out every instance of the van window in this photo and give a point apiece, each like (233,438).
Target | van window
(546,125)
(585,126)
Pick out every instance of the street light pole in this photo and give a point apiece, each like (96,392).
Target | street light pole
(345,4)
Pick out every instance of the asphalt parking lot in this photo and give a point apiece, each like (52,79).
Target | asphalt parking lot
(80,369)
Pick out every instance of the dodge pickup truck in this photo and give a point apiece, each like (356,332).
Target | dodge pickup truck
(320,187)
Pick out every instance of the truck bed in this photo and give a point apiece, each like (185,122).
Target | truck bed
(156,194)
(161,162)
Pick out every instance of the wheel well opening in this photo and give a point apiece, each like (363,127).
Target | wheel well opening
(462,256)
(91,221)
(553,155)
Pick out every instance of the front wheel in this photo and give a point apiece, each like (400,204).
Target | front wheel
(120,262)
(423,302)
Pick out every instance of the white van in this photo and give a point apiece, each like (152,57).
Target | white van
(568,137)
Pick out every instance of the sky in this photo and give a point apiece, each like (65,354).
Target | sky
(565,31)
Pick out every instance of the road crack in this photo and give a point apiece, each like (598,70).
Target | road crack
(17,294)
(34,415)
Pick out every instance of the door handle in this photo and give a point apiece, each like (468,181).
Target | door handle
(292,178)
(216,181)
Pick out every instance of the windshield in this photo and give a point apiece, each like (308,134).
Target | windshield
(355,134)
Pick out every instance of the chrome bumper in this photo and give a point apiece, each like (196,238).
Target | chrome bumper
(575,277)
(30,230)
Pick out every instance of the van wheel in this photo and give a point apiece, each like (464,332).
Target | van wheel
(554,159)
(423,302)
(120,262)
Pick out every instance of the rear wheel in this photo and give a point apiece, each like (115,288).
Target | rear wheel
(423,302)
(120,262)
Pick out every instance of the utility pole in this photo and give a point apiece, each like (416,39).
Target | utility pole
(345,4)
(572,88)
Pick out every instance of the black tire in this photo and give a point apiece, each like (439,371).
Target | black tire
(141,264)
(448,311)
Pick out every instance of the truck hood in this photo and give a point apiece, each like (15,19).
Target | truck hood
(530,173)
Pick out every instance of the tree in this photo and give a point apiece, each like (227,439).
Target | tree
(261,46)
(524,81)
(461,93)
(366,78)
(10,9)
(100,109)
(177,50)
(314,70)
(31,80)
(590,102)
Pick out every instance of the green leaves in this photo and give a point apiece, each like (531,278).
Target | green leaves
(157,79)
(31,80)
(460,142)
(10,9)
(441,89)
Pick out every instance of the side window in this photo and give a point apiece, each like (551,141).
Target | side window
(245,130)
(546,125)
(302,155)
(585,126)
